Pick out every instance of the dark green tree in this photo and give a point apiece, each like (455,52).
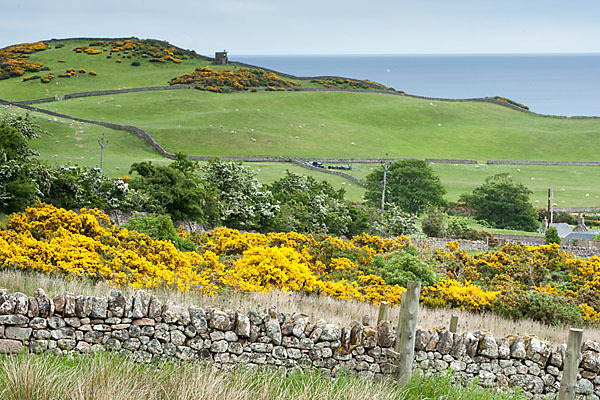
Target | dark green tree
(176,191)
(310,206)
(502,203)
(551,236)
(411,185)
(21,174)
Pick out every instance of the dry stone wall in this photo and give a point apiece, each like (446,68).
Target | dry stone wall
(148,329)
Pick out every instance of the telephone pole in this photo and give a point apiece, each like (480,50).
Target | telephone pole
(102,144)
(385,169)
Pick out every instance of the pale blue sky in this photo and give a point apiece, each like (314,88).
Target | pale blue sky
(319,27)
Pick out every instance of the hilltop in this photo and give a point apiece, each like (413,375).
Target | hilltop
(275,114)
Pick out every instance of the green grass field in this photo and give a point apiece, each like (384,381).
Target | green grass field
(340,124)
(303,124)
(111,75)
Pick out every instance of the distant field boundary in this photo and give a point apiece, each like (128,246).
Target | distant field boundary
(142,134)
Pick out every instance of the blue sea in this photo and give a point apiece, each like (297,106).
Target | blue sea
(549,84)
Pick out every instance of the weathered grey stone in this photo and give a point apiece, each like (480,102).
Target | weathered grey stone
(21,303)
(83,306)
(558,355)
(38,323)
(242,325)
(13,332)
(445,342)
(63,333)
(143,322)
(177,338)
(155,307)
(113,344)
(10,346)
(273,331)
(33,308)
(219,346)
(56,322)
(488,346)
(70,303)
(590,345)
(99,307)
(584,386)
(422,337)
(503,348)
(198,318)
(117,303)
(385,335)
(517,349)
(7,304)
(231,336)
(590,360)
(45,304)
(154,347)
(220,320)
(141,304)
(13,319)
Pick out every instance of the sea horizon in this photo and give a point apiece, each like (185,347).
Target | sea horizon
(561,84)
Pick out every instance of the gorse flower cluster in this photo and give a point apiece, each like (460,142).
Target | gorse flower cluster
(56,241)
(345,83)
(539,282)
(14,60)
(205,78)
(152,50)
(519,281)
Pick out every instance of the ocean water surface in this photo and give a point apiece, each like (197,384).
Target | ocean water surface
(556,84)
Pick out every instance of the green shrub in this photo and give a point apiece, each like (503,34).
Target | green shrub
(552,236)
(159,227)
(399,267)
(433,224)
(457,226)
(136,64)
(551,309)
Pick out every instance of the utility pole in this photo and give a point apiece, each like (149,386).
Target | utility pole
(549,209)
(552,205)
(385,168)
(102,144)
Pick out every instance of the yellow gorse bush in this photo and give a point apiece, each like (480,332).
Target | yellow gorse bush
(56,241)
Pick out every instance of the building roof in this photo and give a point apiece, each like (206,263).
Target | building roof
(582,235)
(562,229)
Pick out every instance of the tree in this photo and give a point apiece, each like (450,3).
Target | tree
(411,185)
(242,201)
(21,174)
(310,206)
(502,203)
(551,236)
(176,191)
(393,222)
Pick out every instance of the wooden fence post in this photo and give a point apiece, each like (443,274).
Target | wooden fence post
(453,323)
(568,384)
(384,307)
(397,344)
(408,317)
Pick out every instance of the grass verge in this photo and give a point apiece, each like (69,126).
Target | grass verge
(112,377)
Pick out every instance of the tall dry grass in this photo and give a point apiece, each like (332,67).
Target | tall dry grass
(340,312)
(111,377)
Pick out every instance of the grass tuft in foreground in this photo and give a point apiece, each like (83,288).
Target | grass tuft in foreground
(109,377)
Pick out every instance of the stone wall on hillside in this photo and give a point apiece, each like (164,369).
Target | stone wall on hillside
(148,329)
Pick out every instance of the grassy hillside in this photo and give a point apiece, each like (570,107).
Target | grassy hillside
(340,124)
(302,124)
